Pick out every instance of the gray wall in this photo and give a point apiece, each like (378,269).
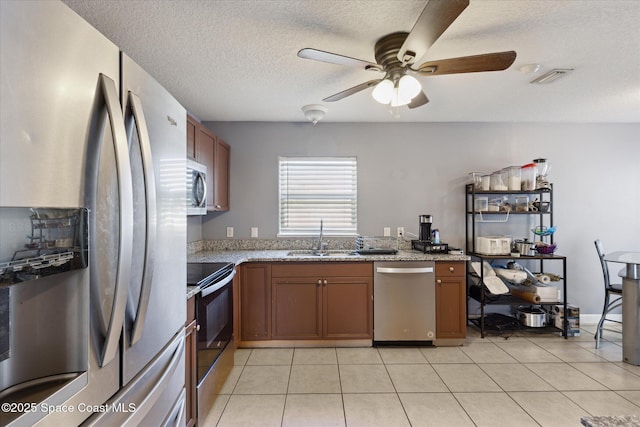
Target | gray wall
(409,169)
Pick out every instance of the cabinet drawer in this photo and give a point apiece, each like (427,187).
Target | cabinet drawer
(450,269)
(322,269)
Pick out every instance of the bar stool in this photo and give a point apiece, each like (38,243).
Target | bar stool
(612,295)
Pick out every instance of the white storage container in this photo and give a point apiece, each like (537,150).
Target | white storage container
(493,245)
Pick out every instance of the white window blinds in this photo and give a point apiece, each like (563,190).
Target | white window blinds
(315,188)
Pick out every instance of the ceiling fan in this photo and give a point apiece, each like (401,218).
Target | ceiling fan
(397,53)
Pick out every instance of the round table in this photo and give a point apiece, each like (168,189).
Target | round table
(630,303)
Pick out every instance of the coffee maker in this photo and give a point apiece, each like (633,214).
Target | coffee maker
(426,242)
(424,232)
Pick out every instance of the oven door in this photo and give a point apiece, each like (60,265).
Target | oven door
(214,314)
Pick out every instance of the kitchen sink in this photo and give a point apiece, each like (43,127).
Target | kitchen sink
(330,253)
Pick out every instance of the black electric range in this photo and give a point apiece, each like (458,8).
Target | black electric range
(205,274)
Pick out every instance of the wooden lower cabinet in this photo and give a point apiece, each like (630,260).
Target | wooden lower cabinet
(348,308)
(255,301)
(322,301)
(297,308)
(451,294)
(191,366)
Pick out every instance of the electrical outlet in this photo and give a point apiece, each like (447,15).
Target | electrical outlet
(386,232)
(400,231)
(229,231)
(254,231)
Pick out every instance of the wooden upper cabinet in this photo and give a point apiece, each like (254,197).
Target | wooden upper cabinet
(205,154)
(205,147)
(192,126)
(221,176)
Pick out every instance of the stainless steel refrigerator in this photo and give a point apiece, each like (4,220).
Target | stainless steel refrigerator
(87,133)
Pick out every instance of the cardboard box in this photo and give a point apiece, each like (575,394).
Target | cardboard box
(573,316)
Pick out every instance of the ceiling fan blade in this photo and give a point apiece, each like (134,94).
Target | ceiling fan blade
(334,58)
(468,64)
(418,101)
(433,21)
(362,86)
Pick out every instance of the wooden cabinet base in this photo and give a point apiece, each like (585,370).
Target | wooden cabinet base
(305,343)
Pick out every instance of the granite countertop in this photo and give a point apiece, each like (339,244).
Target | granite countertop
(239,256)
(280,250)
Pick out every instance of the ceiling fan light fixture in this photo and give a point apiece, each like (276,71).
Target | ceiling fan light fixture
(314,112)
(398,100)
(408,87)
(383,92)
(399,94)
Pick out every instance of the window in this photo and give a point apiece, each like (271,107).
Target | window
(318,188)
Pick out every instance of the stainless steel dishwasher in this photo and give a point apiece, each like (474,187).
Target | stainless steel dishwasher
(404,308)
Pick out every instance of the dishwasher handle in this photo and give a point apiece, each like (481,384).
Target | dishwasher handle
(404,270)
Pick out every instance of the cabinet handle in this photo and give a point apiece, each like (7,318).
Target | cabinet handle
(218,206)
(439,281)
(451,269)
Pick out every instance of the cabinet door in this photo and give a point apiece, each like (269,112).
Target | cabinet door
(297,308)
(205,151)
(255,302)
(221,176)
(190,364)
(348,307)
(450,300)
(192,126)
(237,279)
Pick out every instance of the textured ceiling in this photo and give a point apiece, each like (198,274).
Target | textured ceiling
(236,60)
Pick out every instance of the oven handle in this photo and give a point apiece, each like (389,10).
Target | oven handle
(151,216)
(404,270)
(218,285)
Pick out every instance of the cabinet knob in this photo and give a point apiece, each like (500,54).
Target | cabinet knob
(218,206)
(451,269)
(324,282)
(198,327)
(319,281)
(439,281)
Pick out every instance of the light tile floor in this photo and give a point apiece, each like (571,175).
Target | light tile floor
(522,380)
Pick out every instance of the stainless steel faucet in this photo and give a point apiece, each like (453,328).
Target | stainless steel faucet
(319,246)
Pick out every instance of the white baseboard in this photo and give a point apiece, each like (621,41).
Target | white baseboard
(593,319)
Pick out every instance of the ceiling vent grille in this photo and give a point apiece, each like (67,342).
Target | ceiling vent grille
(552,75)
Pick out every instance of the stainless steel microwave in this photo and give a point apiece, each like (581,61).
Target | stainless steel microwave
(196,188)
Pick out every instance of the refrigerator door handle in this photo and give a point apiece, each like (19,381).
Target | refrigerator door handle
(151,213)
(176,415)
(125,244)
(158,388)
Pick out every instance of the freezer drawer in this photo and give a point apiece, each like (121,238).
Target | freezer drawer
(153,397)
(404,302)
